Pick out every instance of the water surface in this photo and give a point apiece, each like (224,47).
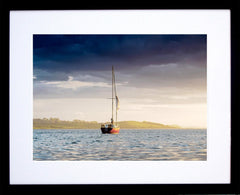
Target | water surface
(78,145)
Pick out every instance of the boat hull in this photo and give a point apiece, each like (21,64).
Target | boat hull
(114,130)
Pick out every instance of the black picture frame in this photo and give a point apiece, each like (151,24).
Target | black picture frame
(232,188)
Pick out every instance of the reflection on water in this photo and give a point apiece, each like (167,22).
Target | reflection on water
(131,145)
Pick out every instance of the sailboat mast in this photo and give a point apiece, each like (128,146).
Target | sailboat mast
(116,114)
(115,96)
(112,93)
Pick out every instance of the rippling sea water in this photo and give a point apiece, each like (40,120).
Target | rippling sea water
(128,145)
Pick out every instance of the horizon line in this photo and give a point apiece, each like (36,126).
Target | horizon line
(181,127)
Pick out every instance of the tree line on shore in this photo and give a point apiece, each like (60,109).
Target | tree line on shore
(55,123)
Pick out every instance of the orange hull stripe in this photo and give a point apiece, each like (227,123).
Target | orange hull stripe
(115,130)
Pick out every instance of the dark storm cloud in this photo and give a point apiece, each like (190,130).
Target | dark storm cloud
(149,62)
(68,53)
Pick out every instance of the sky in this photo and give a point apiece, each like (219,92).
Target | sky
(159,78)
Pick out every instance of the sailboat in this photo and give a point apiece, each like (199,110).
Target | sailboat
(112,127)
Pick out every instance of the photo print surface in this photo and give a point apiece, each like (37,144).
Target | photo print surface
(126,97)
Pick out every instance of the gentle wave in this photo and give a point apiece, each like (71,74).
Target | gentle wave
(77,145)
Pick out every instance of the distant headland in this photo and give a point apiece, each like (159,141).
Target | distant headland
(55,123)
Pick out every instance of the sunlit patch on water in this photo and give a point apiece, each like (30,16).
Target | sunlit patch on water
(77,145)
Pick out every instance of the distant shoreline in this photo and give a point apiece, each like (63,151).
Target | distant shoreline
(55,123)
(127,129)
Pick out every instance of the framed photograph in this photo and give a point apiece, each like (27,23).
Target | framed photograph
(120,97)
